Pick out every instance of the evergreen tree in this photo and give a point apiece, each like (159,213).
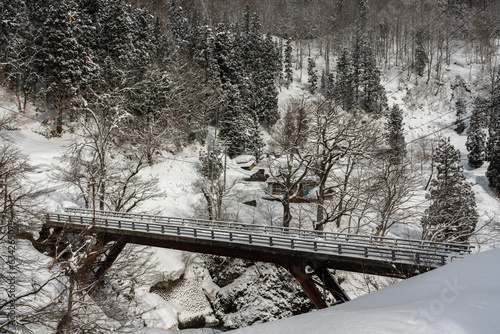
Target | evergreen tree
(115,33)
(395,136)
(17,49)
(12,24)
(493,146)
(324,82)
(63,57)
(179,26)
(254,142)
(288,62)
(226,57)
(211,162)
(330,85)
(460,111)
(369,94)
(421,58)
(234,121)
(452,215)
(363,10)
(476,140)
(482,111)
(344,91)
(264,80)
(312,77)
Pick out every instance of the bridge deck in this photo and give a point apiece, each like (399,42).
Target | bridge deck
(351,252)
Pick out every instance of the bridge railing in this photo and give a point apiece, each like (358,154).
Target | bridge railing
(430,254)
(412,244)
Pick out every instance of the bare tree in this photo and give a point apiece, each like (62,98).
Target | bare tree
(212,182)
(106,175)
(291,165)
(339,136)
(395,187)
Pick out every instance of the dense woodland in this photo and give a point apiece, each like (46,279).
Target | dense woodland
(137,78)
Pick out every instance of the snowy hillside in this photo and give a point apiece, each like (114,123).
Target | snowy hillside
(165,116)
(462,297)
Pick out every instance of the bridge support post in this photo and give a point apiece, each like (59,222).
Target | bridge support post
(92,270)
(307,284)
(310,286)
(331,284)
(110,258)
(88,263)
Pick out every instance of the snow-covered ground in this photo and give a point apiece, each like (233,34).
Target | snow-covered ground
(462,297)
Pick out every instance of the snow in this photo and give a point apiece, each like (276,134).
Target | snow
(462,297)
(158,312)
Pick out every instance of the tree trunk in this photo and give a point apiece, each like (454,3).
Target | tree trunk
(209,205)
(287,216)
(64,326)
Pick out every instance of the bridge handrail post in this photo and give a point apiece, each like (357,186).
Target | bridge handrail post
(147,227)
(250,239)
(270,241)
(133,225)
(178,230)
(315,246)
(292,245)
(162,229)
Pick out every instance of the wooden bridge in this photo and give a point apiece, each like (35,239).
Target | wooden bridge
(306,254)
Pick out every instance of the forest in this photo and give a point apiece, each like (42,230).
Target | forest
(308,88)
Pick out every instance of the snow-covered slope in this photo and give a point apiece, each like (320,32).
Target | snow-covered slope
(462,297)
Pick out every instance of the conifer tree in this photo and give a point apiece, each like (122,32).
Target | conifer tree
(233,121)
(226,57)
(63,57)
(482,111)
(17,49)
(421,58)
(330,85)
(395,136)
(369,94)
(178,24)
(288,62)
(493,147)
(452,215)
(312,77)
(265,82)
(211,162)
(460,111)
(344,90)
(476,140)
(324,82)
